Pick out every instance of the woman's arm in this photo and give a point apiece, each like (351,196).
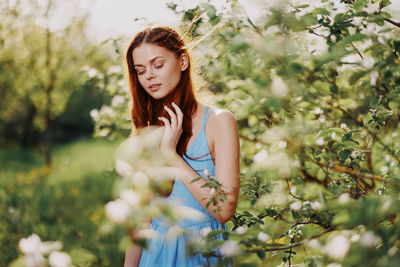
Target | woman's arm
(225,143)
(132,256)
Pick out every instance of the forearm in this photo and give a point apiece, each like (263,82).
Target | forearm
(224,210)
(132,256)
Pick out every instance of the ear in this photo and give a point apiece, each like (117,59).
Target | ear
(184,61)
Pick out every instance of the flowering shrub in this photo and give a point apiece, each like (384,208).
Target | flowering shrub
(314,88)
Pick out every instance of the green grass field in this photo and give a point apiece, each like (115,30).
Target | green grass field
(65,204)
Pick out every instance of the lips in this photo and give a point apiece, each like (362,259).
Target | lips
(154,87)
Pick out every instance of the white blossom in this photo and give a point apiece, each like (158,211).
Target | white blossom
(206,172)
(318,111)
(117,100)
(320,141)
(140,179)
(212,191)
(333,38)
(316,205)
(282,144)
(279,87)
(173,232)
(241,230)
(118,210)
(261,157)
(337,246)
(357,21)
(189,213)
(322,119)
(30,244)
(123,168)
(296,205)
(94,113)
(130,197)
(263,237)
(92,72)
(368,62)
(343,126)
(205,231)
(370,29)
(59,259)
(230,248)
(384,169)
(369,239)
(334,265)
(147,234)
(343,198)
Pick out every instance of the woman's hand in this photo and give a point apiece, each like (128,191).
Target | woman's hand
(172,129)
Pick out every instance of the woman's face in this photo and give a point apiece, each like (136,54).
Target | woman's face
(158,69)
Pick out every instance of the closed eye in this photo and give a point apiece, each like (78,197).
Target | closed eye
(159,66)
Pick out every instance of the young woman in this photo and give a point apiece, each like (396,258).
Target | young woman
(196,139)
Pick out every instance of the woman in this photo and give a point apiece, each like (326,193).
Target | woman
(196,138)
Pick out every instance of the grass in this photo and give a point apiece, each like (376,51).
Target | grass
(66,204)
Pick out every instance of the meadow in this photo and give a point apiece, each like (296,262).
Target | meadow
(65,203)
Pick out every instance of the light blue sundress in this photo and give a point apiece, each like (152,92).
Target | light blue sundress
(167,252)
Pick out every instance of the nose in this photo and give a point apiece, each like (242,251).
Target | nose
(149,74)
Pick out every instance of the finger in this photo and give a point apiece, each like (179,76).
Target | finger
(174,122)
(179,113)
(166,122)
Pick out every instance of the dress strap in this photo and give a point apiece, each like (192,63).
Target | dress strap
(205,117)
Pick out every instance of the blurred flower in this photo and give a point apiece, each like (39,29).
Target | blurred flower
(59,259)
(337,246)
(282,144)
(189,213)
(115,69)
(123,168)
(343,126)
(296,205)
(263,237)
(316,205)
(343,198)
(92,72)
(117,100)
(107,110)
(320,141)
(206,172)
(369,239)
(318,111)
(241,230)
(333,38)
(30,244)
(118,210)
(140,179)
(322,119)
(370,29)
(94,113)
(205,231)
(384,169)
(334,265)
(212,191)
(261,156)
(368,62)
(230,248)
(357,21)
(173,232)
(374,77)
(314,243)
(147,234)
(370,9)
(130,197)
(279,87)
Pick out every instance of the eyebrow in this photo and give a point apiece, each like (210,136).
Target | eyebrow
(151,61)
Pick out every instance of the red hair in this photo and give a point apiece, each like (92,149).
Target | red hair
(145,109)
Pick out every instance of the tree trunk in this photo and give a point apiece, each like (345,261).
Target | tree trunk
(26,137)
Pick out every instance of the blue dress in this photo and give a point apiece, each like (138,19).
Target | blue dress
(166,252)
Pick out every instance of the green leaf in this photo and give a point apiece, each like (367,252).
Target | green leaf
(356,76)
(344,154)
(261,254)
(81,256)
(375,101)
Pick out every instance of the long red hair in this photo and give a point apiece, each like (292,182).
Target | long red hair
(145,109)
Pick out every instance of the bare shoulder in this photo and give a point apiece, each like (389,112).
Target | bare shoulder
(221,119)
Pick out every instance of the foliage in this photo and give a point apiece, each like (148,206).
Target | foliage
(314,88)
(66,205)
